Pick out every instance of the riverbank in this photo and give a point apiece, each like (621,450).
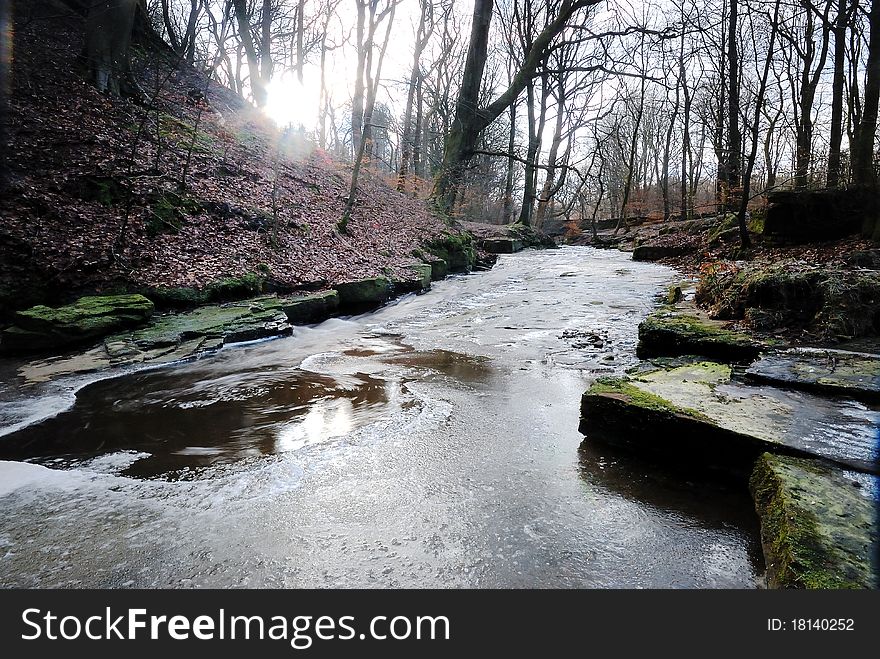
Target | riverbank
(766,371)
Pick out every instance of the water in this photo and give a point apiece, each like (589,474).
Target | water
(431,444)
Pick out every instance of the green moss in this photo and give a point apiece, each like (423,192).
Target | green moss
(674,295)
(370,291)
(310,308)
(106,190)
(756,222)
(236,288)
(829,302)
(638,397)
(670,334)
(43,327)
(815,528)
(457,249)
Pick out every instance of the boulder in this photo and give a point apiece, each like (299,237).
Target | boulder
(418,282)
(818,524)
(696,414)
(456,249)
(653,252)
(87,319)
(671,333)
(173,337)
(310,308)
(502,245)
(439,268)
(364,292)
(800,216)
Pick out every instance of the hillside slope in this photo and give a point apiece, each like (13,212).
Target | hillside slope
(102,197)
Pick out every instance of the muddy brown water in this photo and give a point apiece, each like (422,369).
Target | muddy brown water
(434,443)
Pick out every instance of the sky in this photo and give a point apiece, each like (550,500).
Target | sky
(293,103)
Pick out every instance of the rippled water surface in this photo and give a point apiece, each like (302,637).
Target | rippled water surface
(433,443)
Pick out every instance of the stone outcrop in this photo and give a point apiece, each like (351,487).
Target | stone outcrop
(674,332)
(89,318)
(801,216)
(364,292)
(818,524)
(699,415)
(835,372)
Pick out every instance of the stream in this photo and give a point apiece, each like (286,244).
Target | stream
(433,443)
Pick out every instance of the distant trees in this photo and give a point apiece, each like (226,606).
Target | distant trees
(511,109)
(471,119)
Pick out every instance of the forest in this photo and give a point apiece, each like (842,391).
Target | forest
(484,294)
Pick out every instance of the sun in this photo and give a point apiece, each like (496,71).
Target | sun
(294,103)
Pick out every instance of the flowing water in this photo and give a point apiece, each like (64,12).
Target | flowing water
(434,443)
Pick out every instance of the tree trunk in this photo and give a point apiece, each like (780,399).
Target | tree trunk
(357,98)
(511,166)
(109,25)
(406,138)
(258,85)
(734,139)
(755,127)
(470,119)
(863,147)
(547,192)
(169,27)
(837,86)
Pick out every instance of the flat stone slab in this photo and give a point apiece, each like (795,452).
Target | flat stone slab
(89,318)
(685,330)
(831,371)
(173,337)
(697,413)
(818,523)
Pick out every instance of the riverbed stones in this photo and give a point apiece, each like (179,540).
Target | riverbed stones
(364,292)
(836,372)
(673,332)
(89,318)
(310,308)
(697,414)
(818,523)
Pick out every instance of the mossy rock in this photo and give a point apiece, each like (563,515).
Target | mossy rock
(439,268)
(89,318)
(817,529)
(501,245)
(457,249)
(364,292)
(674,295)
(418,282)
(227,289)
(669,334)
(653,252)
(831,303)
(697,415)
(310,308)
